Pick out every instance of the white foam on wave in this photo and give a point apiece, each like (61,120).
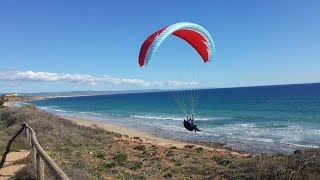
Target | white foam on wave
(267,140)
(303,145)
(53,108)
(90,113)
(47,107)
(59,110)
(175,118)
(156,117)
(243,125)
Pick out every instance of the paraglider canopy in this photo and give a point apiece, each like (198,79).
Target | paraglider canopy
(194,34)
(198,37)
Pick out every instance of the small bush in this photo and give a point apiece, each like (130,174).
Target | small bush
(178,163)
(101,155)
(195,170)
(221,161)
(170,153)
(120,158)
(199,149)
(168,175)
(135,165)
(108,165)
(173,147)
(140,147)
(189,146)
(131,176)
(225,162)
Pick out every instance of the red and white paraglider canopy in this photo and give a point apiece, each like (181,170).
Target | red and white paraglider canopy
(194,34)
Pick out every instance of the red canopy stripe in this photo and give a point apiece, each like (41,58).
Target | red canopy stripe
(145,46)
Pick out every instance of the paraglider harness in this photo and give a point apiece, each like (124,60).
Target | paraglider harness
(188,124)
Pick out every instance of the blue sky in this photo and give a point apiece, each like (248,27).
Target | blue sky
(50,45)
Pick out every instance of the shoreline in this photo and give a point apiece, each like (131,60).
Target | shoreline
(131,134)
(157,138)
(136,135)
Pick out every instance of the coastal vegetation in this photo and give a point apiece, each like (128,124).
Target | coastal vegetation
(3,99)
(93,153)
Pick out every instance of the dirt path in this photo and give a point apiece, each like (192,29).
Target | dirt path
(9,167)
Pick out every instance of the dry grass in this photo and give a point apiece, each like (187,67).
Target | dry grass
(92,153)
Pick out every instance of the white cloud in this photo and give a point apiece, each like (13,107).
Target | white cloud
(86,79)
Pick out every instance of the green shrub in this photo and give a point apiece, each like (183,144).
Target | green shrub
(108,165)
(170,153)
(120,158)
(101,155)
(131,176)
(178,163)
(168,175)
(199,149)
(140,147)
(221,161)
(135,165)
(173,147)
(189,146)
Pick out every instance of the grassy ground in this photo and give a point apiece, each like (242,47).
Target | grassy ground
(92,153)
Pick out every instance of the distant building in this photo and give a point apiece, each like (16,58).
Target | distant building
(11,95)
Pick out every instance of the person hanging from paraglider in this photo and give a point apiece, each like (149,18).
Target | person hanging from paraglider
(197,36)
(188,124)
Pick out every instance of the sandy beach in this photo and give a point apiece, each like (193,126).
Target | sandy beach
(135,135)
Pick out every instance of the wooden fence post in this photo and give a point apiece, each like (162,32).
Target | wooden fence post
(40,168)
(41,158)
(34,156)
(28,136)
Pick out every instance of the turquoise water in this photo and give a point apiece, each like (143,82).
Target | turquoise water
(266,119)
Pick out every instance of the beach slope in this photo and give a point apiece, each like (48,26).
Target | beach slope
(99,151)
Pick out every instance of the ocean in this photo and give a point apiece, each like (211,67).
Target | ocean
(265,119)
